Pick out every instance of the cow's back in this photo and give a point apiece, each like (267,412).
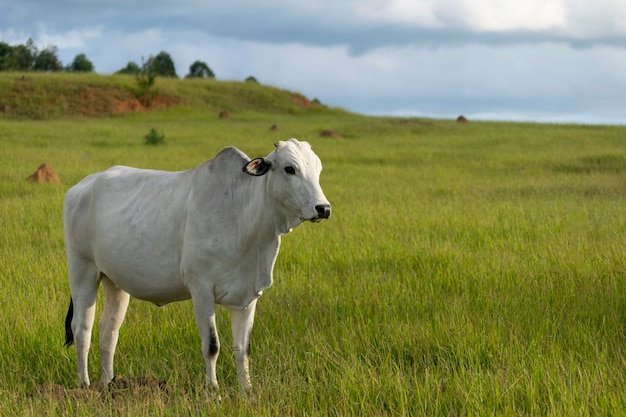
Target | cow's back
(121,196)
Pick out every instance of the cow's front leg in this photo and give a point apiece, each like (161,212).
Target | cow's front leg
(205,319)
(241,324)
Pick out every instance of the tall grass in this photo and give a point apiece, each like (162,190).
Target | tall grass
(472,269)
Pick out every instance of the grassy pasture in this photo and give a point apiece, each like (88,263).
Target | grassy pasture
(468,269)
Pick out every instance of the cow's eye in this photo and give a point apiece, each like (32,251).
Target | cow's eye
(290,170)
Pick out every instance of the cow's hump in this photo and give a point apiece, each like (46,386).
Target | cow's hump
(229,159)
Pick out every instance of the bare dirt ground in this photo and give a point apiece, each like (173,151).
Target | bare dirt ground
(120,386)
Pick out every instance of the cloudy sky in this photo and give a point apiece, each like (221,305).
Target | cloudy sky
(531,60)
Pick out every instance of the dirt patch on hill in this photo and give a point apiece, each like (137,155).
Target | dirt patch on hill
(36,100)
(96,101)
(302,101)
(129,105)
(328,133)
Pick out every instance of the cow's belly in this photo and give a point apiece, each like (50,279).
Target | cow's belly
(157,282)
(142,262)
(156,289)
(160,294)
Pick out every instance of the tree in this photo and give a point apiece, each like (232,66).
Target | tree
(131,69)
(23,57)
(200,69)
(251,79)
(80,64)
(27,58)
(47,60)
(6,52)
(162,65)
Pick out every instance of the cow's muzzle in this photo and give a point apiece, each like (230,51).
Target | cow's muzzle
(322,211)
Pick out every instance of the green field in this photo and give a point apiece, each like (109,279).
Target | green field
(467,269)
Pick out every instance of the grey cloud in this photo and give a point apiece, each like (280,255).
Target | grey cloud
(277,22)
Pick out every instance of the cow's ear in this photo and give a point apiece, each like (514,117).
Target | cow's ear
(257,167)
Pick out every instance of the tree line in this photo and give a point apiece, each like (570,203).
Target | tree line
(28,57)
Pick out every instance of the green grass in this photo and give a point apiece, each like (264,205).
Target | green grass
(468,269)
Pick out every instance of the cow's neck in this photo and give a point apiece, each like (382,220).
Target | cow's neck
(278,214)
(263,220)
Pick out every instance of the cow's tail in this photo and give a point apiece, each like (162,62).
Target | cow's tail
(69,336)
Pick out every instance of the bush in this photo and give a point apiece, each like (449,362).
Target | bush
(144,81)
(154,137)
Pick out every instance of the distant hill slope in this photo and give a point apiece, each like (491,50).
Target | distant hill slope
(43,96)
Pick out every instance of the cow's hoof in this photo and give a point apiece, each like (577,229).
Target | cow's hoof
(213,394)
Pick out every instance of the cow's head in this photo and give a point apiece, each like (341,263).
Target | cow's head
(294,172)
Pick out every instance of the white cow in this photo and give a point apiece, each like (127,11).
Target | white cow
(210,233)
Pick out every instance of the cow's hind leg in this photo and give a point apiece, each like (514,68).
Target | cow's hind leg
(204,309)
(115,305)
(241,324)
(84,282)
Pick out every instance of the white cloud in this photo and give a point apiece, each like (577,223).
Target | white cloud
(422,13)
(73,38)
(496,15)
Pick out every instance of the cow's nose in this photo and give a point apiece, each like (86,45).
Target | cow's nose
(323,211)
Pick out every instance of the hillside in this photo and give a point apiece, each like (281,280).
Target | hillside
(44,96)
